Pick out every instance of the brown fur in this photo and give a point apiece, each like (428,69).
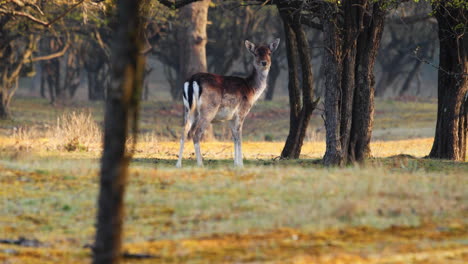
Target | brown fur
(224,98)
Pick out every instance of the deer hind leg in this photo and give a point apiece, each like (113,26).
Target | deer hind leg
(236,129)
(204,118)
(188,119)
(189,116)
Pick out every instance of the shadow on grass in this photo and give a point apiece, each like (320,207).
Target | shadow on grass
(400,163)
(220,163)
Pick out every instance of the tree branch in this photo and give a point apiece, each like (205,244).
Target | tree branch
(176,4)
(39,21)
(26,15)
(53,55)
(412,19)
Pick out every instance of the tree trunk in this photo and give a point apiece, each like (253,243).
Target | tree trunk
(121,113)
(411,75)
(96,64)
(451,129)
(363,105)
(97,84)
(301,111)
(192,37)
(13,60)
(4,106)
(352,45)
(192,56)
(272,78)
(332,72)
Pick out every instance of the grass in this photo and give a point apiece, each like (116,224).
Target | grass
(393,209)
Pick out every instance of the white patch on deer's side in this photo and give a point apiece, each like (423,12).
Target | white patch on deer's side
(186,103)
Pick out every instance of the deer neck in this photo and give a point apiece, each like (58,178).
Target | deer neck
(258,81)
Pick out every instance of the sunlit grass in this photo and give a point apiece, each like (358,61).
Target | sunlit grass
(396,207)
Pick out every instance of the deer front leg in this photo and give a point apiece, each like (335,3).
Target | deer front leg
(236,129)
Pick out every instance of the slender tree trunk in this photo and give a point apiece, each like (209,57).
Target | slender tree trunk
(332,72)
(451,129)
(4,106)
(293,83)
(300,100)
(272,78)
(411,75)
(121,112)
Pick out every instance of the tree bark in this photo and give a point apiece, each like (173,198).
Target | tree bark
(300,100)
(272,78)
(192,56)
(121,113)
(13,54)
(351,50)
(451,129)
(332,72)
(4,106)
(363,104)
(96,64)
(192,37)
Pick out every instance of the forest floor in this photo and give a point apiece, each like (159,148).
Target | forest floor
(395,208)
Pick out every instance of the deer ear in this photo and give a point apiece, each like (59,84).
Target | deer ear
(250,46)
(274,45)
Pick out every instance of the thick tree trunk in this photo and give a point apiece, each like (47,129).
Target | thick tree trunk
(363,105)
(353,23)
(301,111)
(121,113)
(349,79)
(192,56)
(192,38)
(451,129)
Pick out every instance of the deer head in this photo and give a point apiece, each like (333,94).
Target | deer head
(262,54)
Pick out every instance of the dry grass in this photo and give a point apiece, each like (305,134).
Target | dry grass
(50,200)
(72,131)
(393,209)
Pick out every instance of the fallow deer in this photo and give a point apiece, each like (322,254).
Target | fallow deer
(210,98)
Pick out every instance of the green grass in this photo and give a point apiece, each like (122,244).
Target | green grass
(221,214)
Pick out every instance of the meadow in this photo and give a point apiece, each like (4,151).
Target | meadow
(397,207)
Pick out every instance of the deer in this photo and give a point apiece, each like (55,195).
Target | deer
(211,98)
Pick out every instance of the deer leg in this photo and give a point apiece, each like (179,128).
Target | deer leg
(236,129)
(197,133)
(188,123)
